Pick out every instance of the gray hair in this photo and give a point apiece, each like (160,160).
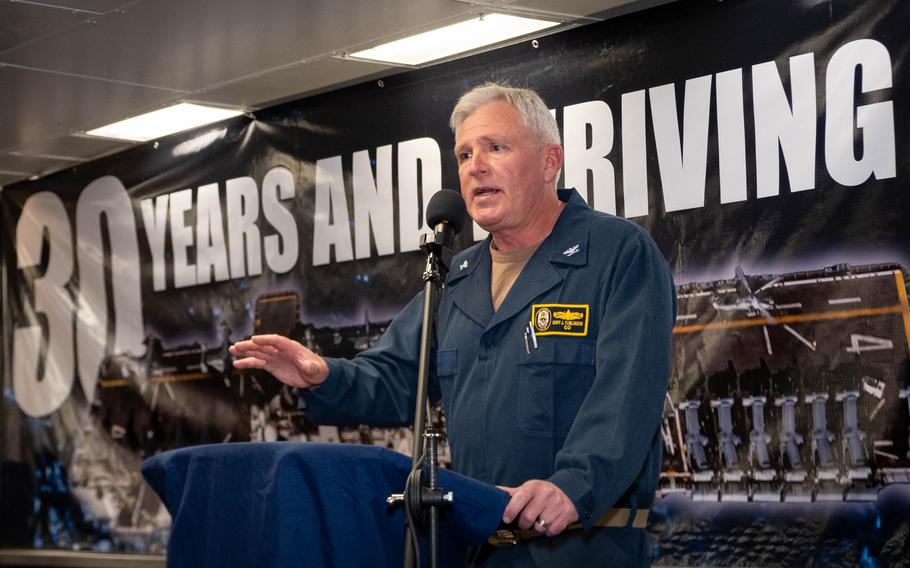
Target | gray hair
(533,111)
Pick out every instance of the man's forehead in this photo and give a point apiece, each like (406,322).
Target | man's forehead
(495,108)
(488,120)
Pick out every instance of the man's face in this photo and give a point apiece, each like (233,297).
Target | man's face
(504,173)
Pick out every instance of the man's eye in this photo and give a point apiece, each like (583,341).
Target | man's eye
(496,147)
(464,156)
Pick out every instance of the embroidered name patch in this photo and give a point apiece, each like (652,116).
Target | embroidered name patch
(560,319)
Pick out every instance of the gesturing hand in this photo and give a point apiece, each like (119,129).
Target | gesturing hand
(540,504)
(287,360)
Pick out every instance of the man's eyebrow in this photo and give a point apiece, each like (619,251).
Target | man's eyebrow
(482,139)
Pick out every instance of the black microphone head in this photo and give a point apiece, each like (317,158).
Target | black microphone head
(447,206)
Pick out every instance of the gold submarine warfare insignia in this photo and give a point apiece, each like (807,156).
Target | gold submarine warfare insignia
(569,315)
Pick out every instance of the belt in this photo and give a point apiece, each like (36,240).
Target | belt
(613,518)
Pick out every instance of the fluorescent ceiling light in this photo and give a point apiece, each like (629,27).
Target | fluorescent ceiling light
(170,120)
(456,38)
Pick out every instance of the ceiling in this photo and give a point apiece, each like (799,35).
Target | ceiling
(67,66)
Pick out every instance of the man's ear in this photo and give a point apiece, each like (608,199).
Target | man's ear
(553,161)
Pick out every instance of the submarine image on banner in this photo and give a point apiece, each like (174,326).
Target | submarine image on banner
(175,396)
(784,387)
(790,387)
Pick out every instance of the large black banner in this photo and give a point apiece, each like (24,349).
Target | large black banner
(762,144)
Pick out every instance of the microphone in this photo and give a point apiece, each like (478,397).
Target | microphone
(446,215)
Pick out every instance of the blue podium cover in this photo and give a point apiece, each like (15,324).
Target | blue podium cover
(304,504)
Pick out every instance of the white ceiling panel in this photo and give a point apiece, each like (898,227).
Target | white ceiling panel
(7,179)
(31,165)
(595,9)
(78,147)
(42,106)
(22,23)
(84,6)
(287,84)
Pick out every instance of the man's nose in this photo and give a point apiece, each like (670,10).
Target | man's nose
(478,164)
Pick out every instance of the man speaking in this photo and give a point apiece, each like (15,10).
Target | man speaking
(552,349)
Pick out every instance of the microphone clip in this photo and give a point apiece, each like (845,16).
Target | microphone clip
(439,255)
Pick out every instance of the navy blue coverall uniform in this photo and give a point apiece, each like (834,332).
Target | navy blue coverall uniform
(577,402)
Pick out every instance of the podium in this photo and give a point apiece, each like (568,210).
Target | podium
(304,504)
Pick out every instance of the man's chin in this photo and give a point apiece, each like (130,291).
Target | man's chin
(486,222)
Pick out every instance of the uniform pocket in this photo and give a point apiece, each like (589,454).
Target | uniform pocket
(446,362)
(554,380)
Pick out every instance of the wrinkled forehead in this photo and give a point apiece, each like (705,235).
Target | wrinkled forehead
(497,117)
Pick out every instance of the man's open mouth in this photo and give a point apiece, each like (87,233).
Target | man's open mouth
(481,191)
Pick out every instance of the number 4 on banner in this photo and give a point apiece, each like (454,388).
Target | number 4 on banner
(860,343)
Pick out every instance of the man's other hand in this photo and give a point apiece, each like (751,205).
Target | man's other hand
(539,504)
(288,361)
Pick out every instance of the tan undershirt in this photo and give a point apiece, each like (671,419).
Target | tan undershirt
(506,268)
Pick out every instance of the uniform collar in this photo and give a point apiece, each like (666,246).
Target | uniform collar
(569,239)
(465,262)
(567,244)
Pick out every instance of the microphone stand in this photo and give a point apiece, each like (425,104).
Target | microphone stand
(422,495)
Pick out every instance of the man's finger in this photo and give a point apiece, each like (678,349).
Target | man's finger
(242,346)
(249,363)
(533,512)
(276,342)
(557,527)
(561,520)
(257,353)
(516,504)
